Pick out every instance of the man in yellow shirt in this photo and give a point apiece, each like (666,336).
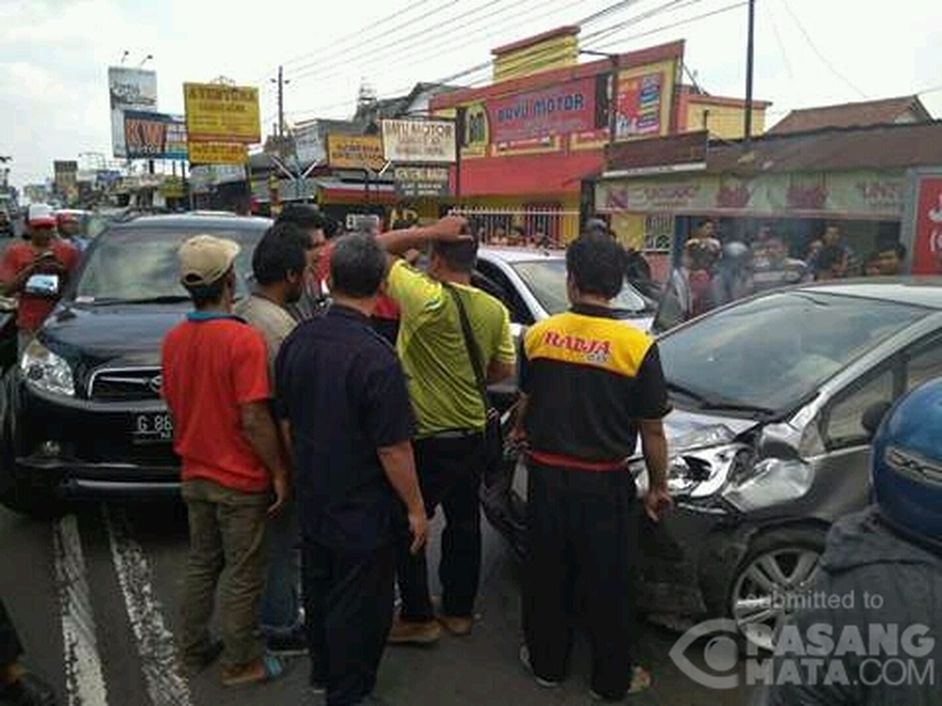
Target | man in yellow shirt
(450,413)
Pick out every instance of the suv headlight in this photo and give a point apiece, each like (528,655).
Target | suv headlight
(46,371)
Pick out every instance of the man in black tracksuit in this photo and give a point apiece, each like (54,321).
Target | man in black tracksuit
(17,686)
(590,384)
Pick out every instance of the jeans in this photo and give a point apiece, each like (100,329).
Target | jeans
(348,600)
(227,543)
(281,603)
(449,472)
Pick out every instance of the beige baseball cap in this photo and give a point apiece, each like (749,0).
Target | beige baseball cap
(206,258)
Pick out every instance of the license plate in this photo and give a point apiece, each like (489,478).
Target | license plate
(152,428)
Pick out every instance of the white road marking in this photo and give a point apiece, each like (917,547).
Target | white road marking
(155,643)
(84,681)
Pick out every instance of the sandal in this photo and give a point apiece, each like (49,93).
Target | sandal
(272,669)
(640,680)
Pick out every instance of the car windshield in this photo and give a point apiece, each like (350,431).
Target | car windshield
(769,353)
(546,279)
(135,264)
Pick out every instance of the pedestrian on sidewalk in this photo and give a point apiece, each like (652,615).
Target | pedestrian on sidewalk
(216,384)
(344,407)
(589,385)
(18,687)
(454,339)
(279,266)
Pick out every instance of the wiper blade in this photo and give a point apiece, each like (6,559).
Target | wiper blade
(705,402)
(164,299)
(687,392)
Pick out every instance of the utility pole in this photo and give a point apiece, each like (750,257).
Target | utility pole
(750,53)
(281,102)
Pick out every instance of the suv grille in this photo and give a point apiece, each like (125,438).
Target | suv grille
(125,385)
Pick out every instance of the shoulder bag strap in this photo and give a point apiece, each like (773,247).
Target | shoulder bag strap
(474,353)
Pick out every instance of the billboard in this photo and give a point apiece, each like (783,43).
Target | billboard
(428,141)
(355,152)
(154,135)
(927,247)
(421,181)
(218,153)
(559,110)
(219,113)
(130,89)
(65,177)
(638,107)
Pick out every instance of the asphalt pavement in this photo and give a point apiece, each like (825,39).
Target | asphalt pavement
(96,597)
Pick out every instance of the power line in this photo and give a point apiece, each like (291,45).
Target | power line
(814,48)
(320,66)
(781,44)
(673,25)
(360,34)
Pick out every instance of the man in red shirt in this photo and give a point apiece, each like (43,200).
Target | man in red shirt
(44,254)
(216,384)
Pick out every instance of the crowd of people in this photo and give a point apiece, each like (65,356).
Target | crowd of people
(714,271)
(309,434)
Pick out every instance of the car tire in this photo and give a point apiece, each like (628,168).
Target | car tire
(778,565)
(38,503)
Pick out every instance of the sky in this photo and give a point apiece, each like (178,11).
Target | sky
(54,54)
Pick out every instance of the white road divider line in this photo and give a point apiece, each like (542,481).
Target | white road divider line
(155,643)
(84,681)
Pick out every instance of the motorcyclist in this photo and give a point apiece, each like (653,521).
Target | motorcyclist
(885,565)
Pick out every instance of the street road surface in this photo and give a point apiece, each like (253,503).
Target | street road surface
(96,596)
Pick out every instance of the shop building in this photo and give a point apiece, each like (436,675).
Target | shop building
(531,137)
(872,182)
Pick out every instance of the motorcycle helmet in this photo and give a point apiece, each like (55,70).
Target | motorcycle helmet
(907,464)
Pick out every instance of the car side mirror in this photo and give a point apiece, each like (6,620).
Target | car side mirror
(42,285)
(873,417)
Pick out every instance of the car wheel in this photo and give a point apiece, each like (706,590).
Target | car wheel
(26,499)
(778,567)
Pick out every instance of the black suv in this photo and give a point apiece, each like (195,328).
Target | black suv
(81,412)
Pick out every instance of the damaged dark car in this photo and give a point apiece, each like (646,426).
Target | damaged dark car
(774,403)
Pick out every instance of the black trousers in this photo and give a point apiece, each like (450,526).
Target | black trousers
(579,568)
(348,604)
(449,472)
(10,647)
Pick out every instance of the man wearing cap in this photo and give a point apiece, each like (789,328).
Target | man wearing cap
(216,384)
(44,254)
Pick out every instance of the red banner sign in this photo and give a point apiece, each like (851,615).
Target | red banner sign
(560,110)
(927,250)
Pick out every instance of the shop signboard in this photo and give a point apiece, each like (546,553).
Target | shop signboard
(129,89)
(421,181)
(638,106)
(927,246)
(220,113)
(355,152)
(854,194)
(558,110)
(218,153)
(154,135)
(419,141)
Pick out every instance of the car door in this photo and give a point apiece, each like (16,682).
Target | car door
(842,477)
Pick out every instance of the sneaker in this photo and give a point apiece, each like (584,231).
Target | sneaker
(291,644)
(457,626)
(408,633)
(525,661)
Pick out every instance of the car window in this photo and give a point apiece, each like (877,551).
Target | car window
(141,263)
(923,361)
(546,279)
(519,312)
(844,425)
(775,350)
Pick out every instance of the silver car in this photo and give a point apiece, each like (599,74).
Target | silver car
(774,402)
